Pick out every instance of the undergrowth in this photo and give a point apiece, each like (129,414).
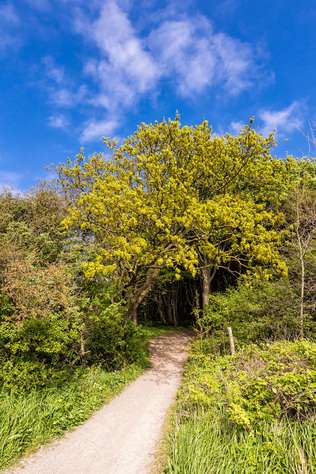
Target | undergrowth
(251,413)
(209,445)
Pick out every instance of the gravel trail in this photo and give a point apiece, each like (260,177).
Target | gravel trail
(120,438)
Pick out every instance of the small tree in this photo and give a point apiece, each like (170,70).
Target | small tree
(302,216)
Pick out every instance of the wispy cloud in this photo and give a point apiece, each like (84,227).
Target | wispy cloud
(126,69)
(58,121)
(194,57)
(53,71)
(9,22)
(10,181)
(63,92)
(95,129)
(185,52)
(285,120)
(67,97)
(236,127)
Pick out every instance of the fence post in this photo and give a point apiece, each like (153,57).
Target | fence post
(231,340)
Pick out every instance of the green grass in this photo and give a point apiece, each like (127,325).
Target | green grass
(205,439)
(153,331)
(28,420)
(206,445)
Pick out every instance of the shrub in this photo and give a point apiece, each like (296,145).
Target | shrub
(263,312)
(38,291)
(21,375)
(52,319)
(113,340)
(39,323)
(258,383)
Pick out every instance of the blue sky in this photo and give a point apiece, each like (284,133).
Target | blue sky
(72,71)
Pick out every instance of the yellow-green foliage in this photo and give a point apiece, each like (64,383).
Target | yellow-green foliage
(179,198)
(51,318)
(252,413)
(257,384)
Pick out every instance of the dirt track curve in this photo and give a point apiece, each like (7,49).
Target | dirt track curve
(122,437)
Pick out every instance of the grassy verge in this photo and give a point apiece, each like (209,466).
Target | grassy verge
(28,420)
(226,422)
(205,445)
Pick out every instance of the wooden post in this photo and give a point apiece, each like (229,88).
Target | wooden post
(231,340)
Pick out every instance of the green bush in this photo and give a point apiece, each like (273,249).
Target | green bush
(53,320)
(36,353)
(113,340)
(251,413)
(263,312)
(48,339)
(21,375)
(258,384)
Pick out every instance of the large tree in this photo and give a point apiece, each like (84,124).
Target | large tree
(178,198)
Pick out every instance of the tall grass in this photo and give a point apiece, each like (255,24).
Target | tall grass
(28,420)
(31,419)
(208,445)
(233,414)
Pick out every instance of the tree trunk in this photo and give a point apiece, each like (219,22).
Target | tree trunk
(159,303)
(174,307)
(132,312)
(208,275)
(301,253)
(206,281)
(140,293)
(302,296)
(83,352)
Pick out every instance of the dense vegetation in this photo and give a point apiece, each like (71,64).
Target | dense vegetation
(52,320)
(249,413)
(174,225)
(33,416)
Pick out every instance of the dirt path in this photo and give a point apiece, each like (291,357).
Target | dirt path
(122,436)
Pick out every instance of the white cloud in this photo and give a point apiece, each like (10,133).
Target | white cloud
(95,129)
(58,121)
(62,91)
(193,56)
(185,51)
(236,127)
(10,181)
(183,55)
(53,71)
(286,120)
(67,97)
(128,65)
(236,65)
(126,68)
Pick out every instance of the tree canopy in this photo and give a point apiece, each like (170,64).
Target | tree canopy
(181,198)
